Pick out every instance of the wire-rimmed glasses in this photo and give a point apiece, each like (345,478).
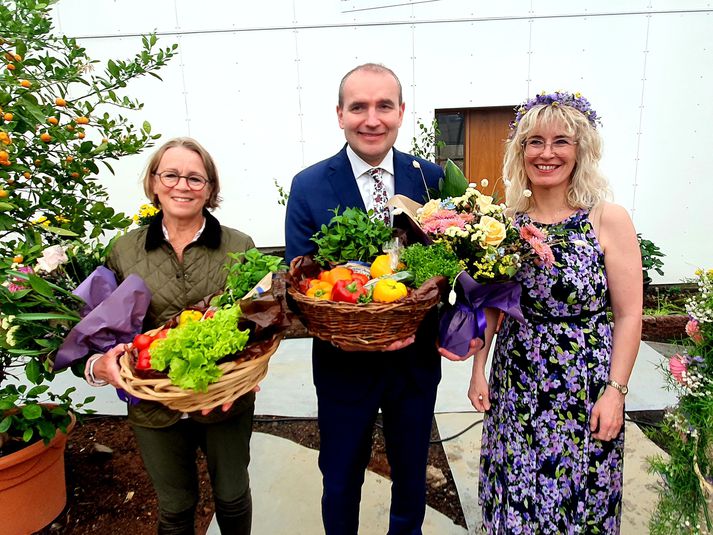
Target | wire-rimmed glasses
(536,145)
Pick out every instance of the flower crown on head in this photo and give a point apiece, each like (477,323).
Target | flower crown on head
(558,98)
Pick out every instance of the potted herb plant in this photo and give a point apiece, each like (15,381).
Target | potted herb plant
(56,126)
(651,257)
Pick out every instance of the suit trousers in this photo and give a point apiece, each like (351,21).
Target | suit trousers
(349,398)
(170,454)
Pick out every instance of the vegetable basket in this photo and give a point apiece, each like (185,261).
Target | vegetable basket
(239,377)
(362,327)
(265,315)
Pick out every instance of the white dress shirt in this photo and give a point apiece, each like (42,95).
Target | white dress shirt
(365,182)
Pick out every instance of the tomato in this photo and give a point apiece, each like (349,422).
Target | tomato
(161,334)
(142,341)
(144,360)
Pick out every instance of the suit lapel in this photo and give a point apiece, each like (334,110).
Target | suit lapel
(408,180)
(343,184)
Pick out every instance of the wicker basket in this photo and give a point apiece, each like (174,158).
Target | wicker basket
(366,327)
(239,377)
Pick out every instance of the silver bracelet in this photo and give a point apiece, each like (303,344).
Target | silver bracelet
(89,371)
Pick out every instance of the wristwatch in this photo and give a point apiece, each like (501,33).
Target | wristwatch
(623,389)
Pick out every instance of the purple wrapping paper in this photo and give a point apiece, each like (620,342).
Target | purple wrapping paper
(112,315)
(464,321)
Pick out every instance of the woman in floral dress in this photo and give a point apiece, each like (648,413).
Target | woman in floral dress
(553,436)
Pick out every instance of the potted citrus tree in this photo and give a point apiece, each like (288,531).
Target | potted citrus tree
(58,123)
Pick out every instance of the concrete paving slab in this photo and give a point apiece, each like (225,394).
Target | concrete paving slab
(287,488)
(640,495)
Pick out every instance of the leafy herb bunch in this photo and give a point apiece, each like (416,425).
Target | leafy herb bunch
(244,275)
(351,235)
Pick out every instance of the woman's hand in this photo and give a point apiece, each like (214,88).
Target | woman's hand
(479,392)
(607,415)
(225,407)
(400,344)
(106,367)
(476,344)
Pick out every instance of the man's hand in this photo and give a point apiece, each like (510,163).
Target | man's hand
(476,344)
(400,344)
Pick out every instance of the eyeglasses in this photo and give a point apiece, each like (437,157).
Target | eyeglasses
(535,146)
(171,180)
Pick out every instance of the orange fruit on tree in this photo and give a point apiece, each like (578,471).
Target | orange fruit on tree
(18,258)
(4,155)
(82,120)
(60,102)
(70,128)
(10,67)
(27,174)
(70,158)
(5,163)
(8,116)
(25,83)
(52,120)
(3,194)
(45,137)
(17,57)
(74,175)
(38,162)
(80,135)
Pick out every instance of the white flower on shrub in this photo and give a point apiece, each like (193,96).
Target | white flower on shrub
(51,258)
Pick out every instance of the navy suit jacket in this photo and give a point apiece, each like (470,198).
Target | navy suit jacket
(314,194)
(329,184)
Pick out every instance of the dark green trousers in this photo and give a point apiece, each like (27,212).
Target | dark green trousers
(169,454)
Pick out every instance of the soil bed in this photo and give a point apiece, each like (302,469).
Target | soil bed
(109,492)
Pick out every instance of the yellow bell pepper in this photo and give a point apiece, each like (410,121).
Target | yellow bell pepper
(389,290)
(188,316)
(382,266)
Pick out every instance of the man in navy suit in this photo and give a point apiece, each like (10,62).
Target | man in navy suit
(353,386)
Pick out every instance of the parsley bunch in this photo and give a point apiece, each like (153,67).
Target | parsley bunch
(426,261)
(243,276)
(353,235)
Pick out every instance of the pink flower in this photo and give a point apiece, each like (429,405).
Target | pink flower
(678,366)
(439,221)
(543,251)
(693,330)
(530,231)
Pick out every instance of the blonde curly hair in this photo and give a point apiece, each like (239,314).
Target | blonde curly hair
(587,186)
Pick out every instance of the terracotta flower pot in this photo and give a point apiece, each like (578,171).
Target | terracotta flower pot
(32,486)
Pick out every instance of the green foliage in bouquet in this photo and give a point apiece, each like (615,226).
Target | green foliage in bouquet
(191,352)
(57,126)
(351,235)
(686,495)
(454,183)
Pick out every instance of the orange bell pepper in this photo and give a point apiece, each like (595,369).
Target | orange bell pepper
(320,290)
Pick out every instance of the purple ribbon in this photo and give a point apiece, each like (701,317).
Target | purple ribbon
(465,320)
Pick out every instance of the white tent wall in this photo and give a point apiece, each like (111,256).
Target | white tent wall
(257,84)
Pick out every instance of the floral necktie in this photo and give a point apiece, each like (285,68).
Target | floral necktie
(380,196)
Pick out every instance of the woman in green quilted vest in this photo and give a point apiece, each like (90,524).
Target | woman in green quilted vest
(180,255)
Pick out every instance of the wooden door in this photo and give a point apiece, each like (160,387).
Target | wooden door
(486,132)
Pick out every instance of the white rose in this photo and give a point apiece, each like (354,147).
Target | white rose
(51,258)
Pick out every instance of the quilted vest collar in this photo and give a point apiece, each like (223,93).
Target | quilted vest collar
(210,237)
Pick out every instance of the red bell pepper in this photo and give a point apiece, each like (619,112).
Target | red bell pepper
(360,277)
(348,291)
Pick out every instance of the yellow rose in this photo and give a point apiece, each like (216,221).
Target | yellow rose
(485,203)
(429,208)
(494,230)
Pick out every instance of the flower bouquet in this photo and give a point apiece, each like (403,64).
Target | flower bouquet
(354,292)
(476,231)
(686,497)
